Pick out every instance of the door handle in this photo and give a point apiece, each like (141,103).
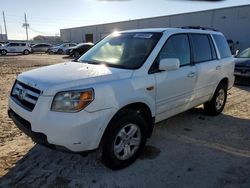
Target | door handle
(218,67)
(191,74)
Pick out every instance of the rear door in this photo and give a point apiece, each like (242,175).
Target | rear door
(208,65)
(175,89)
(21,47)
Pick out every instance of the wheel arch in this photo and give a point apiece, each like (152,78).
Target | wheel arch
(142,109)
(224,80)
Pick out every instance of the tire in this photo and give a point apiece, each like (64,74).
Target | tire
(126,132)
(60,51)
(216,105)
(3,52)
(26,52)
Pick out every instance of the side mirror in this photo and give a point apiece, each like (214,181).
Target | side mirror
(169,64)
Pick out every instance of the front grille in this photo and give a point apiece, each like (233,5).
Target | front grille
(24,95)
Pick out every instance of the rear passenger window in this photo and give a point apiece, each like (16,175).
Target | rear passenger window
(177,46)
(222,46)
(201,47)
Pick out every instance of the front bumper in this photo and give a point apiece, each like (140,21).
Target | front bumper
(25,127)
(76,132)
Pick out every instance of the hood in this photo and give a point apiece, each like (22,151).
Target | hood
(70,75)
(242,62)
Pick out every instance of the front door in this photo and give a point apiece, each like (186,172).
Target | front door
(175,89)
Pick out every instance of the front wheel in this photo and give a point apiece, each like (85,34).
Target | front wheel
(124,140)
(3,52)
(216,105)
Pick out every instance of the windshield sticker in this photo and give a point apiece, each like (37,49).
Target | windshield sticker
(143,36)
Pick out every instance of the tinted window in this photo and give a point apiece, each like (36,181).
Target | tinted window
(13,44)
(222,46)
(23,44)
(177,46)
(201,47)
(244,54)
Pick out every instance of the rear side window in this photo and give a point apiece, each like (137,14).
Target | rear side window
(13,44)
(222,45)
(202,48)
(177,46)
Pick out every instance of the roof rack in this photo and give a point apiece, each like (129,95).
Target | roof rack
(198,27)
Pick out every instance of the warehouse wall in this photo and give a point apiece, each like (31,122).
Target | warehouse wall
(233,22)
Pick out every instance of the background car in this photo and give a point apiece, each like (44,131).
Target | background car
(42,47)
(15,47)
(79,50)
(242,67)
(61,49)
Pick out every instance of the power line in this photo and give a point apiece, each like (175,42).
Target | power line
(41,32)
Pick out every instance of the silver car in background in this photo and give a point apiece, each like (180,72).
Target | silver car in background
(41,47)
(61,49)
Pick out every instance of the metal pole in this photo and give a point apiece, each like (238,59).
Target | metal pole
(26,26)
(5,26)
(1,32)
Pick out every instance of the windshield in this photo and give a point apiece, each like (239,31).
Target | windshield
(122,50)
(244,54)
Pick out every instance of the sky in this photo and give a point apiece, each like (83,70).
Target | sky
(47,17)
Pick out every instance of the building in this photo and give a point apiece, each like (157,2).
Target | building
(234,22)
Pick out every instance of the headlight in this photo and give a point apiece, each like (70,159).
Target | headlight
(72,101)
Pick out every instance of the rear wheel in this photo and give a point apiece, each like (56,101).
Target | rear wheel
(124,140)
(3,52)
(26,52)
(216,105)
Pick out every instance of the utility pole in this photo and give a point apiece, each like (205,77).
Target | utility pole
(5,26)
(26,25)
(1,33)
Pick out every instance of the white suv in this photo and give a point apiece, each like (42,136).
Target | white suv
(112,97)
(15,47)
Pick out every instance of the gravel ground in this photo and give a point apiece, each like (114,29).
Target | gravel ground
(188,150)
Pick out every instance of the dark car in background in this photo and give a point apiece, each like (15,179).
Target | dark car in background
(79,50)
(42,47)
(242,67)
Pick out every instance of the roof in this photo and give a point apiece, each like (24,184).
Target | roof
(181,30)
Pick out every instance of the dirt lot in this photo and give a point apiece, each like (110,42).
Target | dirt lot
(188,150)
